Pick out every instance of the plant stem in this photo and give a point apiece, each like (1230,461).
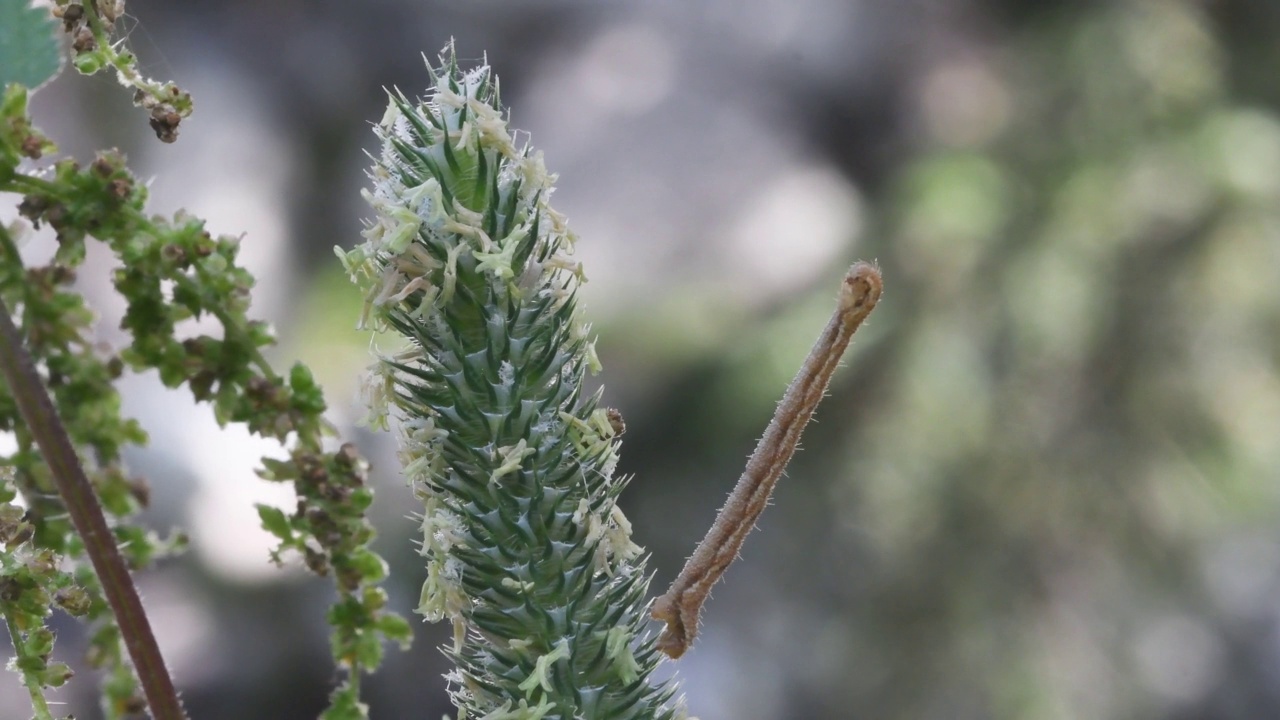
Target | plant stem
(25,183)
(86,514)
(122,65)
(680,606)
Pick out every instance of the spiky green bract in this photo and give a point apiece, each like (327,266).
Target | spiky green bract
(527,553)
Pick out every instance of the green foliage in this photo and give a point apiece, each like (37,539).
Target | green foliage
(527,552)
(171,270)
(28,51)
(31,586)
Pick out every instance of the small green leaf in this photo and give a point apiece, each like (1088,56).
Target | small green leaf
(273,469)
(307,396)
(344,705)
(346,613)
(29,52)
(87,63)
(371,567)
(40,642)
(369,650)
(300,378)
(13,104)
(360,500)
(275,522)
(396,629)
(56,675)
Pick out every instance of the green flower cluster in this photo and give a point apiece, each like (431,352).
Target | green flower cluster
(527,552)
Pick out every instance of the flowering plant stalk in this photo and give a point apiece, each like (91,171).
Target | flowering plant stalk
(527,552)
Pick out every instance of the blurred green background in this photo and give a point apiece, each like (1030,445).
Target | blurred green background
(1044,487)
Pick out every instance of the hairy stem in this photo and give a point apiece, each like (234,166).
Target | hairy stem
(682,603)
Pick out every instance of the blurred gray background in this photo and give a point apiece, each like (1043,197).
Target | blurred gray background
(1045,485)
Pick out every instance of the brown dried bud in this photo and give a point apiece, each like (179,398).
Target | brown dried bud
(135,705)
(164,121)
(140,489)
(74,600)
(615,421)
(33,208)
(103,167)
(121,187)
(32,147)
(175,254)
(61,274)
(110,10)
(71,15)
(84,41)
(316,561)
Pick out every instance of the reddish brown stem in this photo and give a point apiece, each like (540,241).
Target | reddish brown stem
(682,603)
(86,515)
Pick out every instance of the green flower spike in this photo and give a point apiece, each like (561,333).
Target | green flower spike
(527,552)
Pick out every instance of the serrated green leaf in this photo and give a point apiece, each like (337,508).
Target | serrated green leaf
(29,53)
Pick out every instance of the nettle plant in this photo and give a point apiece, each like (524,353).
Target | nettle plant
(468,277)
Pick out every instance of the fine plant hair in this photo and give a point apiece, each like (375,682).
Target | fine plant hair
(469,279)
